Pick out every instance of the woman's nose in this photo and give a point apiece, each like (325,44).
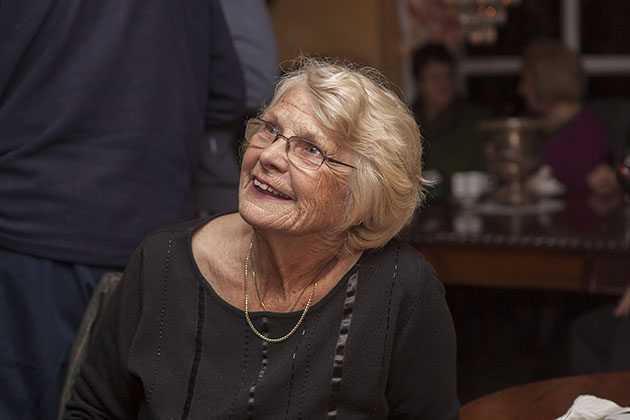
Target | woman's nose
(275,155)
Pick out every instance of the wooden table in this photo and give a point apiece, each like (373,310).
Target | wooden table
(548,400)
(573,244)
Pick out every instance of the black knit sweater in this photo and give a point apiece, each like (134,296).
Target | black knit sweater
(380,345)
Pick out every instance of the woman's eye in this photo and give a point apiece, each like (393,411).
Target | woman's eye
(314,150)
(268,129)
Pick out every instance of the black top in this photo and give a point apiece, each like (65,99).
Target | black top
(103,106)
(380,344)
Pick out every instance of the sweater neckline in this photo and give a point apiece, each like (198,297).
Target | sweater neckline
(338,288)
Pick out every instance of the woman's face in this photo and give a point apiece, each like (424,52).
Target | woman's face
(436,85)
(300,201)
(527,91)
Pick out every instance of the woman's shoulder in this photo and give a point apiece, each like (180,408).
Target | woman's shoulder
(166,236)
(205,247)
(412,289)
(585,129)
(588,120)
(400,250)
(220,233)
(204,225)
(218,248)
(406,265)
(183,237)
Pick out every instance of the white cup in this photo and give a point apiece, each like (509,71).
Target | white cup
(467,222)
(468,187)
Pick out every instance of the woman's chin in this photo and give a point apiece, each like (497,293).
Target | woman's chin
(261,216)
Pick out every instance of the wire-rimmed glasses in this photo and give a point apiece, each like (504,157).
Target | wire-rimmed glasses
(300,152)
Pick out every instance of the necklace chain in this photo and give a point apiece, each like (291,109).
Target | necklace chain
(249,321)
(260,298)
(258,291)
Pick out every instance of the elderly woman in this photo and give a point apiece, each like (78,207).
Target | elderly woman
(301,305)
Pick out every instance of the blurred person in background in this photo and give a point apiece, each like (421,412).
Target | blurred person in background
(103,108)
(577,149)
(448,122)
(579,154)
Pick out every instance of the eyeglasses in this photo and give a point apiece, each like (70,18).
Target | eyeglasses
(300,152)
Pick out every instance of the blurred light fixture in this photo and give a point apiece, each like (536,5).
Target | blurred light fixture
(481,18)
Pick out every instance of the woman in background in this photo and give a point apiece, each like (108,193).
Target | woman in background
(578,149)
(449,123)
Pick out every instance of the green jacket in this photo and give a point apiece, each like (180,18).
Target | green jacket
(453,142)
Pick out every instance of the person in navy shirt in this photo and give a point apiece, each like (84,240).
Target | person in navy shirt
(103,107)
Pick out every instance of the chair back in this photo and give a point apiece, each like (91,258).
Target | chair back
(93,314)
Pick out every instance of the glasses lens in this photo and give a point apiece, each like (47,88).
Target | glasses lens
(305,154)
(259,133)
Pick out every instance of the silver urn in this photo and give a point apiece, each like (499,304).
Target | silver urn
(514,154)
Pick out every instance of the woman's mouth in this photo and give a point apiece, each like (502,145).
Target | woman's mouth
(267,189)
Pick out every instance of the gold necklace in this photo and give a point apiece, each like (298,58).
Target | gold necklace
(260,298)
(249,321)
(258,291)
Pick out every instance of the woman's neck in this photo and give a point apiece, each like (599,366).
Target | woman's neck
(285,266)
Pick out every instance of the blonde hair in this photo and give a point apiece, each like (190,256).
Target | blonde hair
(556,72)
(371,121)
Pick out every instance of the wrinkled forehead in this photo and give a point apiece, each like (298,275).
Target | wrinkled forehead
(294,115)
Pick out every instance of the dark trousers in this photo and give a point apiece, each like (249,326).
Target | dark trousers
(41,306)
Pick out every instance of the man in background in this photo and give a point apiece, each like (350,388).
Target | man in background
(103,108)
